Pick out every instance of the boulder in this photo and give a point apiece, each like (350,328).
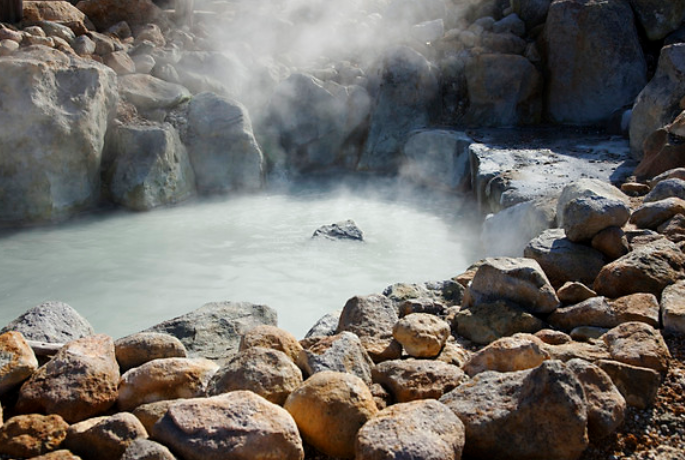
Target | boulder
(659,19)
(508,354)
(343,352)
(329,409)
(454,353)
(673,307)
(106,437)
(612,242)
(150,167)
(268,336)
(222,73)
(652,214)
(51,322)
(503,90)
(563,260)
(269,373)
(673,229)
(486,322)
(239,425)
(145,449)
(421,334)
(421,429)
(517,415)
(594,60)
(414,11)
(595,312)
(339,231)
(18,361)
(638,385)
(106,14)
(412,379)
(637,307)
(167,378)
(638,344)
(148,93)
(137,349)
(667,188)
(213,331)
(79,382)
(589,351)
(68,101)
(27,436)
(222,147)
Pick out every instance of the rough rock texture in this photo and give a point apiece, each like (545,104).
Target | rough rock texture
(342,352)
(659,18)
(80,381)
(17,361)
(145,449)
(422,429)
(638,385)
(673,307)
(637,307)
(594,60)
(340,231)
(51,322)
(666,188)
(486,322)
(26,436)
(268,336)
(638,344)
(269,373)
(412,379)
(421,334)
(150,413)
(518,415)
(52,169)
(239,425)
(168,378)
(612,242)
(61,454)
(330,408)
(105,14)
(213,331)
(104,438)
(572,292)
(149,93)
(595,312)
(137,349)
(653,214)
(508,354)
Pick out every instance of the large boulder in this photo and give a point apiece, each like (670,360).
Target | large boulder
(412,379)
(594,60)
(56,110)
(104,437)
(51,322)
(18,361)
(657,18)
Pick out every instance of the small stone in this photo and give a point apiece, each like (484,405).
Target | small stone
(422,335)
(412,379)
(552,337)
(105,438)
(26,436)
(137,349)
(573,292)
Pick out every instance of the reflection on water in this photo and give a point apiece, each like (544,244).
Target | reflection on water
(125,272)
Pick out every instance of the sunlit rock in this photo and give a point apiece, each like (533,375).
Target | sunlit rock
(27,436)
(638,385)
(508,354)
(343,352)
(638,344)
(595,311)
(654,213)
(412,379)
(344,230)
(640,306)
(105,437)
(17,361)
(51,322)
(146,449)
(108,13)
(673,307)
(422,335)
(273,337)
(488,321)
(137,349)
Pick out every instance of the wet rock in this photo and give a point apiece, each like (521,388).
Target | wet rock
(79,382)
(268,336)
(595,311)
(332,432)
(514,415)
(167,378)
(659,19)
(486,322)
(137,349)
(51,322)
(422,335)
(673,307)
(638,385)
(420,429)
(214,330)
(344,230)
(266,372)
(238,425)
(637,307)
(573,292)
(611,242)
(651,215)
(17,361)
(412,379)
(638,344)
(105,438)
(134,12)
(508,354)
(26,436)
(342,352)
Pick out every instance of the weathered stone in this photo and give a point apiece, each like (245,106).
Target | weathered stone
(106,14)
(17,361)
(120,62)
(589,351)
(660,153)
(344,230)
(651,215)
(51,322)
(145,449)
(104,438)
(324,326)
(487,322)
(673,228)
(532,12)
(673,307)
(419,429)
(61,454)
(454,353)
(150,413)
(553,337)
(83,46)
(587,333)
(427,305)
(329,409)
(167,378)
(422,335)
(151,32)
(514,415)
(638,344)
(213,331)
(658,18)
(677,173)
(412,379)
(149,93)
(268,336)
(595,311)
(637,307)
(264,371)
(638,385)
(573,292)
(137,349)
(61,13)
(342,352)
(238,425)
(667,188)
(80,381)
(508,354)
(8,47)
(26,436)
(611,242)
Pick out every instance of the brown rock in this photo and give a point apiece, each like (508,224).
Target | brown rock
(105,14)
(660,155)
(330,408)
(268,336)
(145,449)
(137,349)
(673,228)
(651,215)
(61,454)
(422,335)
(590,352)
(104,438)
(552,337)
(508,354)
(638,344)
(638,385)
(412,379)
(611,242)
(25,436)
(17,362)
(486,322)
(673,307)
(595,311)
(637,307)
(120,62)
(574,292)
(79,382)
(340,353)
(454,353)
(150,413)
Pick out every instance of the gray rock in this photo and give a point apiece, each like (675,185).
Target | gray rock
(596,312)
(412,379)
(532,12)
(344,230)
(653,214)
(326,326)
(149,93)
(486,322)
(51,322)
(343,352)
(638,385)
(209,71)
(213,331)
(145,449)
(667,188)
(659,18)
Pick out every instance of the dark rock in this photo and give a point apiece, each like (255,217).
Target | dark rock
(344,230)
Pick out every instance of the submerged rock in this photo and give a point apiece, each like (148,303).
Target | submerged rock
(343,230)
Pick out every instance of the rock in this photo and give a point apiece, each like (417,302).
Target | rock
(214,123)
(651,215)
(508,354)
(404,92)
(150,167)
(513,415)
(594,311)
(532,12)
(268,336)
(518,280)
(658,103)
(589,206)
(667,188)
(504,90)
(106,14)
(213,331)
(120,62)
(269,373)
(638,385)
(649,268)
(611,242)
(372,319)
(79,382)
(342,352)
(151,32)
(145,449)
(553,337)
(412,379)
(148,93)
(419,429)
(573,292)
(137,349)
(238,425)
(677,173)
(637,307)
(144,63)
(167,378)
(344,230)
(591,352)
(638,344)
(61,454)
(333,432)
(594,59)
(51,322)
(588,333)
(673,228)
(83,46)
(17,361)
(56,30)
(673,307)
(150,413)
(563,260)
(222,73)
(659,19)
(414,12)
(428,306)
(486,322)
(61,13)
(325,326)
(661,152)
(26,436)
(105,438)
(422,335)
(54,175)
(8,47)
(454,353)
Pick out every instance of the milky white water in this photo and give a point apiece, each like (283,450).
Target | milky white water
(125,272)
